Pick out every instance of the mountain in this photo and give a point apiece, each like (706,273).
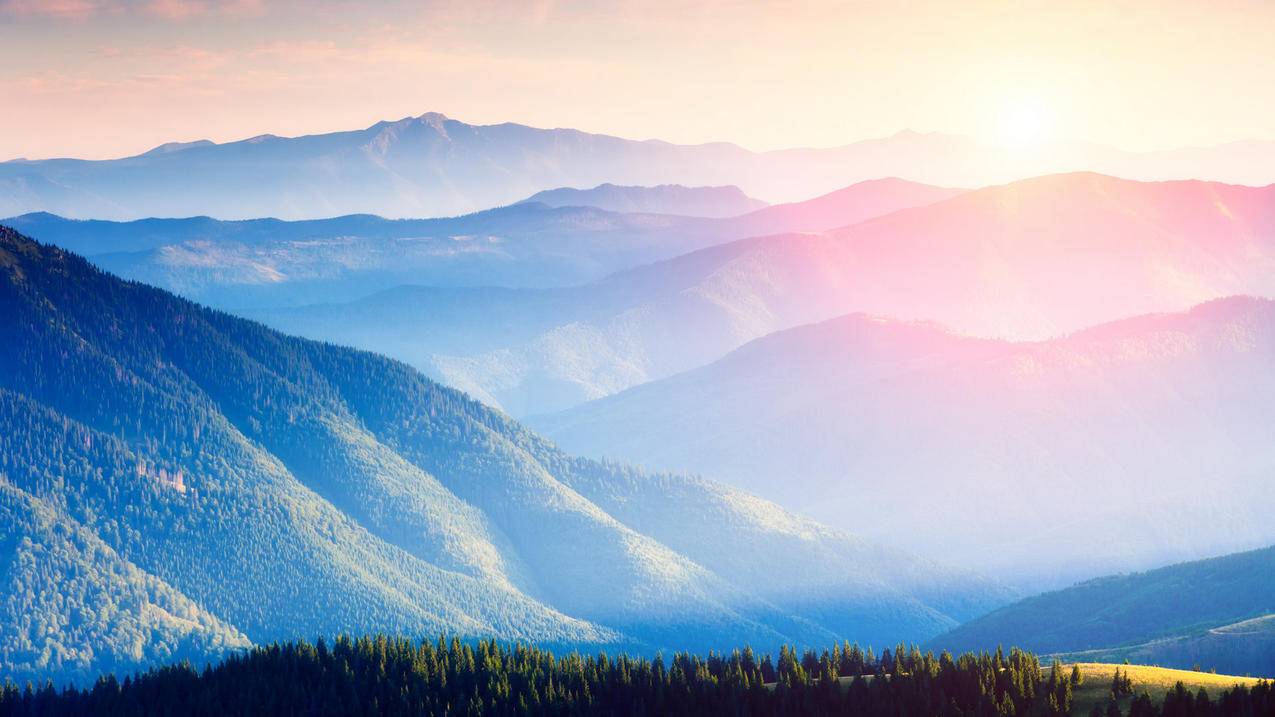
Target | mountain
(1216,613)
(1247,647)
(1031,259)
(845,206)
(432,165)
(1124,446)
(268,262)
(72,602)
(202,482)
(675,199)
(429,165)
(271,263)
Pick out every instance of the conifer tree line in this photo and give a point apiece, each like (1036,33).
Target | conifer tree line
(380,675)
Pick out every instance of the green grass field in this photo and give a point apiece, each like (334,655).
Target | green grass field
(1155,680)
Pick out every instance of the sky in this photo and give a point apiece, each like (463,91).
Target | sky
(108,78)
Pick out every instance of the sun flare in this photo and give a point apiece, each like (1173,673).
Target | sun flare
(1023,123)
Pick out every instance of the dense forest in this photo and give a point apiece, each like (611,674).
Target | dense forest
(386,676)
(179,483)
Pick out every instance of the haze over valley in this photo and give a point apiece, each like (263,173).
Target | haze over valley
(570,359)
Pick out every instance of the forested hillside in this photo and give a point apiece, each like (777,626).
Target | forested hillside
(1214,614)
(254,486)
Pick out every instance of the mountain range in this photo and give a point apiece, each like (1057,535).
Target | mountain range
(432,165)
(259,263)
(1044,379)
(726,201)
(178,482)
(1125,446)
(1027,260)
(1217,614)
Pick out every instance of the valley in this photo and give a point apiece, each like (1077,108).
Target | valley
(613,359)
(1028,260)
(255,468)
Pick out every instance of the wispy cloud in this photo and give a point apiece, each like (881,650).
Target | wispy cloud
(75,10)
(169,10)
(178,10)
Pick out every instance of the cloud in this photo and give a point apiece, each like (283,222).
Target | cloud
(76,10)
(167,10)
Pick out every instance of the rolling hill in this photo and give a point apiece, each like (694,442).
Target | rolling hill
(1120,447)
(1027,260)
(1247,647)
(202,481)
(432,165)
(271,263)
(728,201)
(1156,682)
(1214,614)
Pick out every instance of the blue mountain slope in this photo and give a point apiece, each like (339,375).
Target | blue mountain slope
(289,488)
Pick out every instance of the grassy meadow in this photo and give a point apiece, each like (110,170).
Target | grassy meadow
(1156,681)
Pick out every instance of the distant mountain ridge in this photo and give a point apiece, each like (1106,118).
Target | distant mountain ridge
(432,165)
(192,481)
(718,202)
(272,263)
(1027,260)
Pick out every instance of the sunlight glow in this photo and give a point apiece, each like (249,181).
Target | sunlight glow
(1023,123)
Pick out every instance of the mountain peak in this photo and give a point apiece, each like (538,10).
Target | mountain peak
(170,147)
(435,121)
(385,135)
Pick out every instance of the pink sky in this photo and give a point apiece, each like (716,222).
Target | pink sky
(102,78)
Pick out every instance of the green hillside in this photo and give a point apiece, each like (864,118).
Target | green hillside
(1213,613)
(1155,681)
(71,602)
(1245,647)
(274,487)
